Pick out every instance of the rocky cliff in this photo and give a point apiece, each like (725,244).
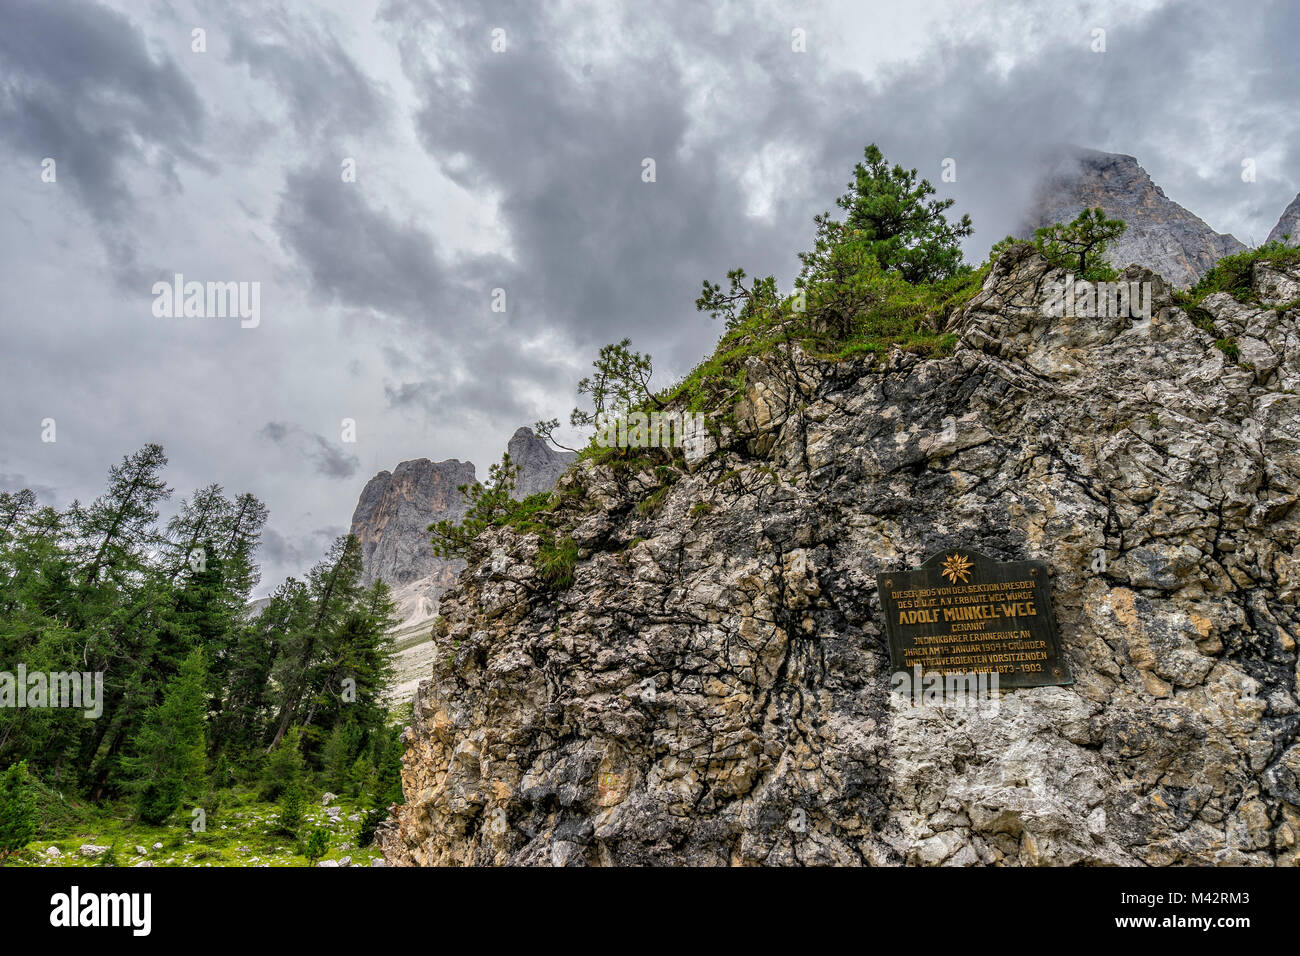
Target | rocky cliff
(394,511)
(391,521)
(1161,235)
(712,687)
(1288,226)
(540,465)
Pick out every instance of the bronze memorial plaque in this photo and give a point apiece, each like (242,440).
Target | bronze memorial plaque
(961,612)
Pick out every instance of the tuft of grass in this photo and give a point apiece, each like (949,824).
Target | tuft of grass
(555,562)
(650,502)
(528,514)
(1229,348)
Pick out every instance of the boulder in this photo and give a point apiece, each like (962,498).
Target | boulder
(712,687)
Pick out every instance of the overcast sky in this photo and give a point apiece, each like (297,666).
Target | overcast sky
(521,169)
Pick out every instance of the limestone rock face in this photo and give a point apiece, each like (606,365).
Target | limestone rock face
(391,521)
(394,511)
(540,466)
(713,688)
(1288,225)
(1161,235)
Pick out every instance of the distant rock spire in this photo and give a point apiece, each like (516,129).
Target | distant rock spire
(540,466)
(1161,234)
(1288,225)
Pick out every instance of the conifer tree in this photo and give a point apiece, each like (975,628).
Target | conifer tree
(284,766)
(17,810)
(289,822)
(168,759)
(334,586)
(891,219)
(316,845)
(485,505)
(1081,243)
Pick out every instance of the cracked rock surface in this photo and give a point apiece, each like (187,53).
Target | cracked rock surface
(713,688)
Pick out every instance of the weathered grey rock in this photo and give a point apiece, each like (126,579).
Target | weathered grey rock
(90,851)
(53,852)
(395,509)
(394,513)
(327,798)
(1161,234)
(329,863)
(1288,226)
(540,466)
(391,522)
(713,687)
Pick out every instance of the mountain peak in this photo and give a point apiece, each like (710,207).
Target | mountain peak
(540,466)
(1161,235)
(1288,225)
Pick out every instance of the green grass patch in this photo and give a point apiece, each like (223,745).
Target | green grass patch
(240,832)
(1233,274)
(887,313)
(652,501)
(556,560)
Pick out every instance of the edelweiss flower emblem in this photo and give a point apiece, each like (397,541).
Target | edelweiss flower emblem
(957,568)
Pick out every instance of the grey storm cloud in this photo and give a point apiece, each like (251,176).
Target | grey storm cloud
(323,87)
(604,253)
(81,87)
(298,551)
(491,393)
(364,257)
(599,250)
(229,164)
(330,460)
(354,253)
(46,494)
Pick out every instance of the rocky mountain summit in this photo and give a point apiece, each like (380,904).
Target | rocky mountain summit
(391,521)
(1288,226)
(394,511)
(1161,235)
(540,465)
(711,684)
